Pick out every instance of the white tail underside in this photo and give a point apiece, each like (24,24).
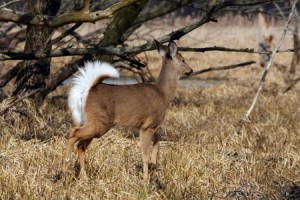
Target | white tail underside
(82,83)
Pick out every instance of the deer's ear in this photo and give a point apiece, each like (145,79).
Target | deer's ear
(160,48)
(173,50)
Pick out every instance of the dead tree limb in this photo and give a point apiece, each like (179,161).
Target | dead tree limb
(7,15)
(3,5)
(119,51)
(263,78)
(67,32)
(292,84)
(10,74)
(209,69)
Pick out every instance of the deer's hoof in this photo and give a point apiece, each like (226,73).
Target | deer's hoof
(156,184)
(57,177)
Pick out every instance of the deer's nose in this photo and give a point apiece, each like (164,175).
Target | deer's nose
(189,72)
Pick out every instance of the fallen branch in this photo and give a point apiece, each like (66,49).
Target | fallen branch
(246,117)
(209,69)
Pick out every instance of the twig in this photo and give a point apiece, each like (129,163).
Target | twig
(219,68)
(8,3)
(246,117)
(86,6)
(218,48)
(67,32)
(163,9)
(292,84)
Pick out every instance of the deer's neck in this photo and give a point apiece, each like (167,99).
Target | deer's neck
(167,80)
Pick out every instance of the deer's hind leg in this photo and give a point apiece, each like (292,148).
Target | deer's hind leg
(81,148)
(69,149)
(84,135)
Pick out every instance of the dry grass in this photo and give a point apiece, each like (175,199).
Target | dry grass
(201,157)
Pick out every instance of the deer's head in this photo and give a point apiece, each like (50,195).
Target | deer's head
(171,53)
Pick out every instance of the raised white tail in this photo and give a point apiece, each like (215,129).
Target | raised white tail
(90,74)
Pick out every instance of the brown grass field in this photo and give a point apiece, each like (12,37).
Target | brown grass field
(201,155)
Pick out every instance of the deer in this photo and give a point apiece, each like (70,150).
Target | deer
(98,107)
(265,38)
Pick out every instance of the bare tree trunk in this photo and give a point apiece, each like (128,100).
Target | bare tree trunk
(33,73)
(123,20)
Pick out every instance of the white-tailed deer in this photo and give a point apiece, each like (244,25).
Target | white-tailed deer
(265,39)
(97,107)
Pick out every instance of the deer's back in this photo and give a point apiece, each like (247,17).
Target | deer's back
(131,106)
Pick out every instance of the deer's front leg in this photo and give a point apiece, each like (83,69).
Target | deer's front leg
(156,139)
(146,140)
